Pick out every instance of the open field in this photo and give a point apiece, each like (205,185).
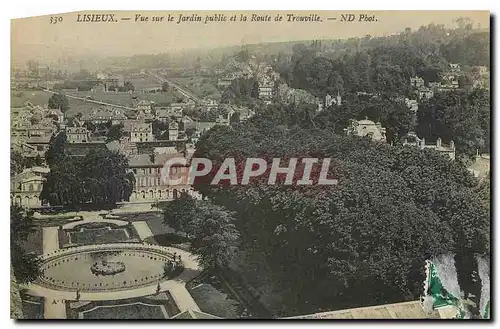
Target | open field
(76,106)
(36,97)
(126,99)
(200,86)
(143,82)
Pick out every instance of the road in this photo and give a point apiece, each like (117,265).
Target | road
(91,100)
(177,87)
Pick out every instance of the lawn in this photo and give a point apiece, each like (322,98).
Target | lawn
(34,243)
(130,312)
(157,227)
(166,236)
(99,233)
(33,307)
(252,267)
(98,236)
(160,306)
(213,297)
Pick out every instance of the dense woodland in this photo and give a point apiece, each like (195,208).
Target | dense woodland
(365,240)
(383,67)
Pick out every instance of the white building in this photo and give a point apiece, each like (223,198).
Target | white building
(368,128)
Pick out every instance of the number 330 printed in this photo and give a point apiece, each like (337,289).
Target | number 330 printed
(55,19)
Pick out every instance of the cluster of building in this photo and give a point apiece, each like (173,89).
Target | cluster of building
(449,81)
(33,127)
(375,131)
(413,140)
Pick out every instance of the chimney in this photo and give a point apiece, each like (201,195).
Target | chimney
(438,142)
(422,142)
(452,145)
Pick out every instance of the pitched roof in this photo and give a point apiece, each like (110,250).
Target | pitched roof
(39,140)
(129,124)
(144,160)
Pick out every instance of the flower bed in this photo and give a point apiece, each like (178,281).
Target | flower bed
(107,268)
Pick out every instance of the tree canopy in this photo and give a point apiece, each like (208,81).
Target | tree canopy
(209,227)
(363,240)
(463,117)
(26,265)
(59,101)
(100,178)
(115,132)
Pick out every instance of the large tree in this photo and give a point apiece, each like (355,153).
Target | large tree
(100,178)
(26,265)
(215,235)
(59,101)
(179,214)
(115,132)
(57,149)
(209,227)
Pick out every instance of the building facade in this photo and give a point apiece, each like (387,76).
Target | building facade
(151,184)
(26,187)
(142,132)
(77,135)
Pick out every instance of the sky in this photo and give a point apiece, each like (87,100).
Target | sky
(36,37)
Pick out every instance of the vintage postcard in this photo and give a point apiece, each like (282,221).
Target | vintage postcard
(250,165)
